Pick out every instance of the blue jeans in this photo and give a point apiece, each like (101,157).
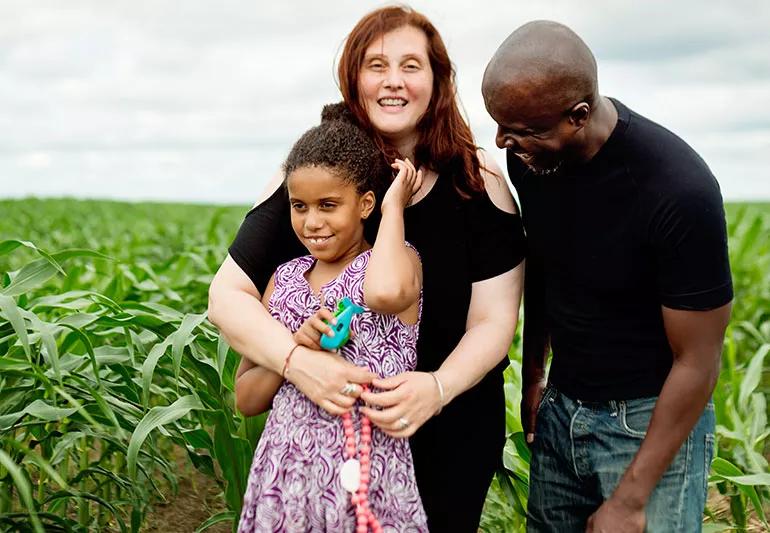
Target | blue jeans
(582,449)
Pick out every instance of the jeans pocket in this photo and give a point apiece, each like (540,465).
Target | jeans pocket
(635,416)
(548,392)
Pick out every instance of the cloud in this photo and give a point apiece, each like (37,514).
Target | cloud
(100,84)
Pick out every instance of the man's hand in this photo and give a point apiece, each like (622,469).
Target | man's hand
(614,516)
(530,400)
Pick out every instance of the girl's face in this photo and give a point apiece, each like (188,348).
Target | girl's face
(327,213)
(396,83)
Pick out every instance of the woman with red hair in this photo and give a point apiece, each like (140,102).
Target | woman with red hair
(398,83)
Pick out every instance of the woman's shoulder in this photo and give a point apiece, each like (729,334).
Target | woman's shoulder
(495,184)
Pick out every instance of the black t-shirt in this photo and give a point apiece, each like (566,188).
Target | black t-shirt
(460,242)
(639,226)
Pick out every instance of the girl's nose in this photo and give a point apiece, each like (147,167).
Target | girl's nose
(313,220)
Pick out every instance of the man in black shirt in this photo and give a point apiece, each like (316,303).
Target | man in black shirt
(627,282)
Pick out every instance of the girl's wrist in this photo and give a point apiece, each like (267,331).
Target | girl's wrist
(392,208)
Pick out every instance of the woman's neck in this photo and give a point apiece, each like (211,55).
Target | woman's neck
(405,145)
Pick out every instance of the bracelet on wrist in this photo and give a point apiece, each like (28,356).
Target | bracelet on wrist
(286,361)
(440,391)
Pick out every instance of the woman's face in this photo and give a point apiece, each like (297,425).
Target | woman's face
(396,82)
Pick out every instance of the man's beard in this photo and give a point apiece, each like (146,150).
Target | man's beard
(542,166)
(547,171)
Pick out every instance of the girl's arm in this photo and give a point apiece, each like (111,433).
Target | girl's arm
(394,275)
(255,386)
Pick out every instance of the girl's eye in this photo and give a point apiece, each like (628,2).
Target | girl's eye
(297,206)
(411,67)
(328,205)
(377,65)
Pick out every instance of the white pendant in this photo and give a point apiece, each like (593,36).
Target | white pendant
(350,475)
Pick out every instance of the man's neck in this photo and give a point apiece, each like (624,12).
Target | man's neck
(599,128)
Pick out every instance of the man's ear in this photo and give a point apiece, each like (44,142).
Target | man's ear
(367,203)
(579,114)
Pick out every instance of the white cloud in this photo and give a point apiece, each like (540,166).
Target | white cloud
(223,89)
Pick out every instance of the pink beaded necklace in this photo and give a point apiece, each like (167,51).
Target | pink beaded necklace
(354,474)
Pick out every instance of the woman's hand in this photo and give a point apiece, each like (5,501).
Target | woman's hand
(309,334)
(406,183)
(327,379)
(408,401)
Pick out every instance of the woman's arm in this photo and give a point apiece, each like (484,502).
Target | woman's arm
(490,325)
(255,386)
(235,308)
(394,275)
(494,309)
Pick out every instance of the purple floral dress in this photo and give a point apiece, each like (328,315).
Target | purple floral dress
(294,481)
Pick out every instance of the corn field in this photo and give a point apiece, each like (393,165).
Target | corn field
(114,387)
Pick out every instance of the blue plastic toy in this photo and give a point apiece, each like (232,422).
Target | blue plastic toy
(344,315)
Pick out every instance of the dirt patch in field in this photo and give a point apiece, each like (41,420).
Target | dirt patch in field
(199,497)
(719,505)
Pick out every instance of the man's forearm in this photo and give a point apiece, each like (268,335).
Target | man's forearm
(680,404)
(535,343)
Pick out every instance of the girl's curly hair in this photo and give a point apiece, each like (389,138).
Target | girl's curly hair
(339,145)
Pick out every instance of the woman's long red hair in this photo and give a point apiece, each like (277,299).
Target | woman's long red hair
(445,142)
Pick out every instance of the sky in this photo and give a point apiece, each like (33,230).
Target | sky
(200,101)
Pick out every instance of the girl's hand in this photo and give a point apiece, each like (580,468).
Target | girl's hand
(406,183)
(407,402)
(322,376)
(309,334)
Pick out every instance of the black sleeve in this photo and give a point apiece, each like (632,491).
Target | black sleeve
(496,239)
(266,239)
(690,239)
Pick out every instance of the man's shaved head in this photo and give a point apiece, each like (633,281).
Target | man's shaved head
(544,67)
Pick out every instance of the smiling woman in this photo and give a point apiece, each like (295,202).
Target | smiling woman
(396,84)
(397,81)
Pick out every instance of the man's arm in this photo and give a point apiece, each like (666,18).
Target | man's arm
(535,348)
(696,339)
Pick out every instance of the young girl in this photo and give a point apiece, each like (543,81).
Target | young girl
(332,174)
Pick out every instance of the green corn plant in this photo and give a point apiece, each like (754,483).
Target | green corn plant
(98,364)
(109,369)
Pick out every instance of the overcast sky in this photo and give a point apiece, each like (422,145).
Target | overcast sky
(200,101)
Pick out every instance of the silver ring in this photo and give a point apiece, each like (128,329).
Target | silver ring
(349,389)
(403,423)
